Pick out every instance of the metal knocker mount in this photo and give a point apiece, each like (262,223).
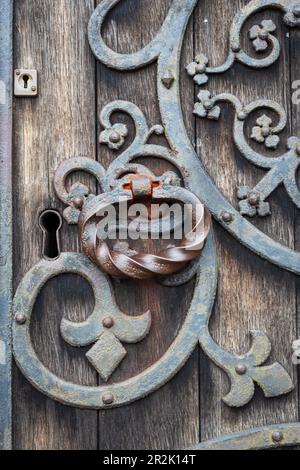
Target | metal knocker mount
(121,261)
(108,329)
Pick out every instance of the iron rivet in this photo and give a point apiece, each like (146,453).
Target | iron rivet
(253,199)
(201,68)
(208,104)
(242,115)
(298,150)
(78,202)
(296,10)
(241,369)
(21,318)
(277,436)
(236,49)
(265,132)
(108,322)
(227,217)
(108,398)
(33,88)
(263,35)
(115,137)
(18,72)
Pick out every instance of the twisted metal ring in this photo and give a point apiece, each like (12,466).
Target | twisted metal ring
(142,265)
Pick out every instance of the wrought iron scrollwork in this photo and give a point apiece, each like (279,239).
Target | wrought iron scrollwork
(266,437)
(262,37)
(243,371)
(282,169)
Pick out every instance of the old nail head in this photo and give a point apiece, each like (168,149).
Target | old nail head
(277,436)
(241,369)
(108,322)
(108,398)
(20,318)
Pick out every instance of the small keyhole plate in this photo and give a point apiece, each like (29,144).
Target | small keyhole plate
(25,82)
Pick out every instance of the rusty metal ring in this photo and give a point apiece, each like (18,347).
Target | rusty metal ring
(142,265)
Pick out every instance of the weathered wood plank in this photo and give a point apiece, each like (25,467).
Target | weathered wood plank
(51,36)
(169,417)
(59,124)
(294,93)
(252,293)
(6,12)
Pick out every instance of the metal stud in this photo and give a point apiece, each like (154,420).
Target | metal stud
(208,104)
(236,49)
(277,436)
(108,398)
(263,35)
(265,132)
(241,369)
(296,10)
(242,115)
(253,199)
(201,68)
(115,137)
(108,322)
(21,318)
(78,202)
(227,217)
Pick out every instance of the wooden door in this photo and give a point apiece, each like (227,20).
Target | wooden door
(256,237)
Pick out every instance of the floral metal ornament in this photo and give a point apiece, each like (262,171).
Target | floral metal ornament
(206,107)
(197,69)
(282,169)
(114,137)
(261,35)
(263,133)
(107,328)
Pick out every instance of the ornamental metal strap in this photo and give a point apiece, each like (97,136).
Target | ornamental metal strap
(108,329)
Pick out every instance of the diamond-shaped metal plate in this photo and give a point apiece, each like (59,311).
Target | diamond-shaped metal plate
(106,355)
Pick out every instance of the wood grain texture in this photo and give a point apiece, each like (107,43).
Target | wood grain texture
(169,418)
(59,124)
(252,293)
(62,123)
(295,112)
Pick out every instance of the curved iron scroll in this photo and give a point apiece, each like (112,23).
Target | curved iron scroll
(243,371)
(166,50)
(267,437)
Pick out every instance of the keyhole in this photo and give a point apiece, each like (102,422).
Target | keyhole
(50,223)
(25,80)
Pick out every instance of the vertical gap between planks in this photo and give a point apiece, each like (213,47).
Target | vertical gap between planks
(98,190)
(195,147)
